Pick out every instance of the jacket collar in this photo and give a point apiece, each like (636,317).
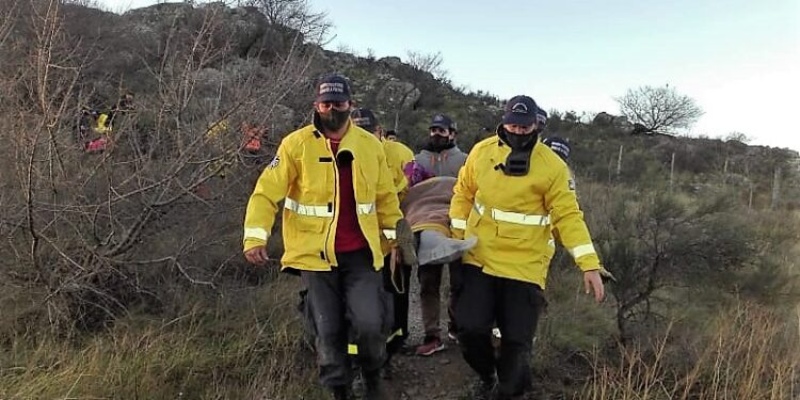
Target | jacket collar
(450,150)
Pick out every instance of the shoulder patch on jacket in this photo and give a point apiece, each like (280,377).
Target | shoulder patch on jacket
(274,163)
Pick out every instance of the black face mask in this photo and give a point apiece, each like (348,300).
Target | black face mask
(333,120)
(520,142)
(438,143)
(518,161)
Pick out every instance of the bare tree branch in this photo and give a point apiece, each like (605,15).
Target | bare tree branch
(90,224)
(431,63)
(294,14)
(659,109)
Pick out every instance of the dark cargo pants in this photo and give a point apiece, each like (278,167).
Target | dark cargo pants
(482,301)
(348,299)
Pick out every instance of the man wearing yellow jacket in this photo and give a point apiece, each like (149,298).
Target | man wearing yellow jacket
(339,205)
(397,281)
(397,154)
(510,194)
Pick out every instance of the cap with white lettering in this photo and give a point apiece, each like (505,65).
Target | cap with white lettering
(333,88)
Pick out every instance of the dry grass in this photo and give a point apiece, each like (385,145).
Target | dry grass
(247,345)
(248,350)
(747,353)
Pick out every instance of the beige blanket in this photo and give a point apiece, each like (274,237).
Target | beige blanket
(426,205)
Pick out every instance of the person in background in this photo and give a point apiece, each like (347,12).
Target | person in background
(396,273)
(391,136)
(560,146)
(442,157)
(397,154)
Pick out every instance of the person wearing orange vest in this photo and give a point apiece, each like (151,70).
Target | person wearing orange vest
(340,208)
(252,137)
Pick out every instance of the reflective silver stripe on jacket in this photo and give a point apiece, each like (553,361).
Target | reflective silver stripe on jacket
(303,209)
(323,211)
(582,250)
(514,217)
(256,233)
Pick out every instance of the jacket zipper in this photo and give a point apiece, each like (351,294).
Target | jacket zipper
(357,171)
(335,194)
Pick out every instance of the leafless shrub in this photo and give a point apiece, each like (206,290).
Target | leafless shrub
(127,226)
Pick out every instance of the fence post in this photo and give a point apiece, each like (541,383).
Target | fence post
(776,188)
(672,172)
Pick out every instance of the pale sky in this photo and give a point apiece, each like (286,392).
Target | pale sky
(740,60)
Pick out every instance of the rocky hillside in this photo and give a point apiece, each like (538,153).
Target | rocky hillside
(232,55)
(132,253)
(233,44)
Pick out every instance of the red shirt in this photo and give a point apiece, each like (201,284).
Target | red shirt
(348,232)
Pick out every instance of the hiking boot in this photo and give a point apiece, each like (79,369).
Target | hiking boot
(429,346)
(501,396)
(484,389)
(387,371)
(374,386)
(357,386)
(496,338)
(341,393)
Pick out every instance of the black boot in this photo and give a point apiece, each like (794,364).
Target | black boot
(484,389)
(357,387)
(341,393)
(387,371)
(374,385)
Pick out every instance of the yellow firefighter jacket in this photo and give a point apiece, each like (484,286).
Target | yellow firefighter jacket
(512,216)
(304,172)
(102,126)
(397,156)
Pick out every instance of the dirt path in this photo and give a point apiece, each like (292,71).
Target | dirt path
(442,376)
